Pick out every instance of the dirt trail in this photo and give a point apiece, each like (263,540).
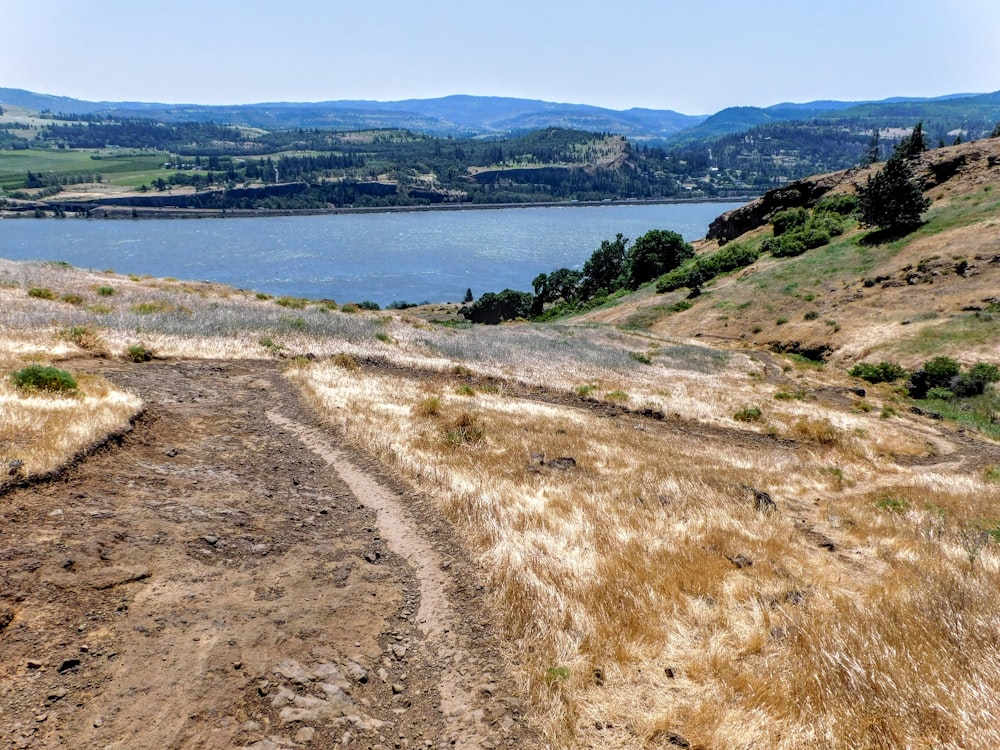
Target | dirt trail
(209,582)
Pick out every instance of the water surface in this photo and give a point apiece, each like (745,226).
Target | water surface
(384,257)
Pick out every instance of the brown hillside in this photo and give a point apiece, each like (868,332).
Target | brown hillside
(930,292)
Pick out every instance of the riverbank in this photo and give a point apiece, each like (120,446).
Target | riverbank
(30,209)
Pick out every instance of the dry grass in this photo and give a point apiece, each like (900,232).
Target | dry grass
(44,431)
(624,586)
(630,608)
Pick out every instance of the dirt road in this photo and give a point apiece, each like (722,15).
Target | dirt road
(227,575)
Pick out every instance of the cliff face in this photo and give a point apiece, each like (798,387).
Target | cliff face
(758,212)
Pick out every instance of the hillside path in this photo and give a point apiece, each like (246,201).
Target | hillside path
(228,574)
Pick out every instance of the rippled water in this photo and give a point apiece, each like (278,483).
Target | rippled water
(420,256)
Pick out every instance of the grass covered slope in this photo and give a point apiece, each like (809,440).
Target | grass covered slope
(862,296)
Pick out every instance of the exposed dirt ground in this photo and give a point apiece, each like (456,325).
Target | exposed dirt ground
(225,575)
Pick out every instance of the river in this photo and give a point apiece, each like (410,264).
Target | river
(384,257)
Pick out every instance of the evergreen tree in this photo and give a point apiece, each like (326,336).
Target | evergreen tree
(891,199)
(995,133)
(871,152)
(913,145)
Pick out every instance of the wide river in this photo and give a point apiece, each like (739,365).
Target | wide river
(383,257)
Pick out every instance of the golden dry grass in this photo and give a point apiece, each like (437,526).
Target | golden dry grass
(623,582)
(44,431)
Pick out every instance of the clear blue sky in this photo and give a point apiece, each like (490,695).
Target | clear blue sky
(695,57)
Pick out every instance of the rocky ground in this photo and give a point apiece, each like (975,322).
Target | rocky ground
(226,575)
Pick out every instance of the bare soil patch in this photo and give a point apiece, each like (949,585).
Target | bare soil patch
(209,581)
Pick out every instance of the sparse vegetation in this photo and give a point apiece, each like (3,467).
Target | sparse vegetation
(44,378)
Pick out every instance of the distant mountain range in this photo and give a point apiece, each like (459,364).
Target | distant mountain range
(462,115)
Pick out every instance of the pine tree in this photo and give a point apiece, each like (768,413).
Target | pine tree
(891,199)
(913,145)
(871,153)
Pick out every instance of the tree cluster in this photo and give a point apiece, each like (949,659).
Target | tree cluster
(615,266)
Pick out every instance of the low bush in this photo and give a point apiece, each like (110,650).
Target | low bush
(749,414)
(428,407)
(693,274)
(41,292)
(138,353)
(41,378)
(106,291)
(844,205)
(790,218)
(72,299)
(465,430)
(883,372)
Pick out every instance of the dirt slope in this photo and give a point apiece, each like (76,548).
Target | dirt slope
(211,581)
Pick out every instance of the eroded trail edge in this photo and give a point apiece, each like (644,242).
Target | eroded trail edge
(435,616)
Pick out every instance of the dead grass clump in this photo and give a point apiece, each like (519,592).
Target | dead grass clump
(428,407)
(816,430)
(345,361)
(466,429)
(86,338)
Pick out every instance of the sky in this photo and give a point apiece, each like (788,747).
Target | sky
(695,57)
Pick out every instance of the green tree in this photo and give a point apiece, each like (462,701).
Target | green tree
(493,308)
(605,267)
(995,133)
(913,145)
(871,153)
(653,254)
(468,296)
(891,199)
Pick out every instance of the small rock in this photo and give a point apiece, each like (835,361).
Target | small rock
(373,557)
(305,734)
(170,452)
(34,664)
(356,671)
(399,651)
(563,463)
(383,675)
(669,672)
(762,501)
(56,694)
(397,688)
(740,561)
(210,539)
(68,664)
(41,717)
(98,721)
(598,676)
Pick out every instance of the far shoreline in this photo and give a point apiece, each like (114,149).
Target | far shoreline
(148,212)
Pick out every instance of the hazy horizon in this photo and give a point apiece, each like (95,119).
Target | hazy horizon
(636,54)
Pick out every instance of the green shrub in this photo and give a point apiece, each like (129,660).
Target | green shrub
(41,378)
(749,414)
(936,373)
(138,353)
(693,274)
(641,358)
(790,218)
(883,372)
(369,305)
(937,393)
(976,379)
(811,315)
(41,292)
(106,291)
(292,303)
(892,504)
(845,205)
(72,299)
